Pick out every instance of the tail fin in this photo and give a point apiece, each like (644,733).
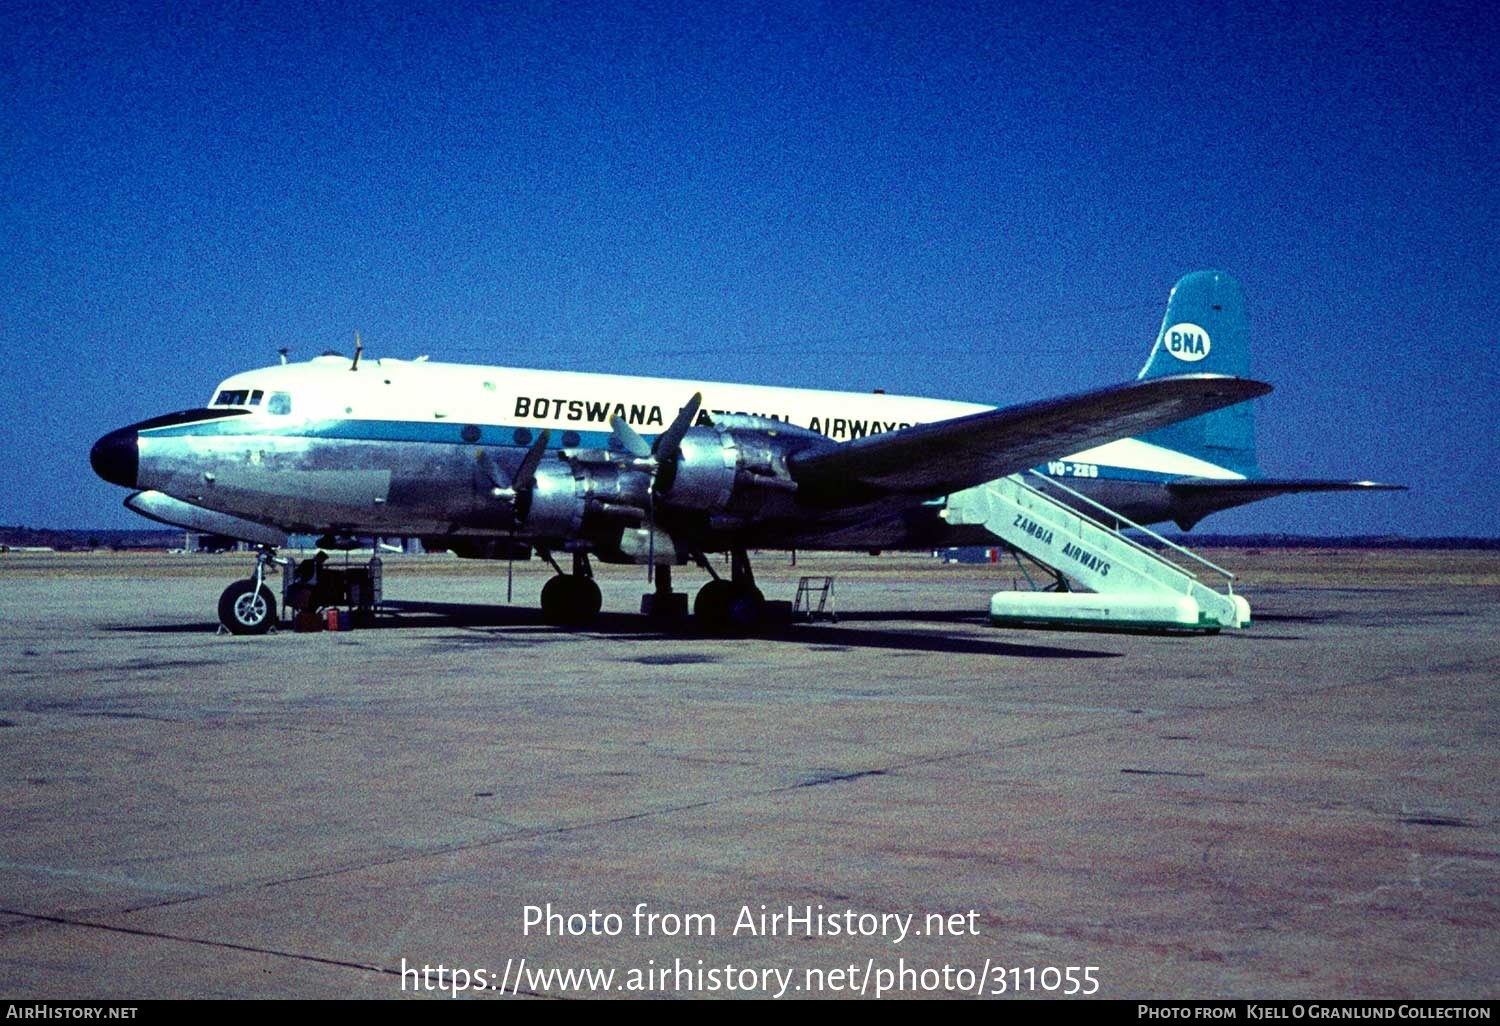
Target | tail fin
(1206,330)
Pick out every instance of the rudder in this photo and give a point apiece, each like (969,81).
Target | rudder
(1206,330)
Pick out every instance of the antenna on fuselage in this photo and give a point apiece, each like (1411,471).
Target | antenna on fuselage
(282,353)
(359,347)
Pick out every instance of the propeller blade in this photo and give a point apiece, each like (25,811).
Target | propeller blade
(670,440)
(526,472)
(629,439)
(492,470)
(667,445)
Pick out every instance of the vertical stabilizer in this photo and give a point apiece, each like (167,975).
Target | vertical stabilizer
(1207,330)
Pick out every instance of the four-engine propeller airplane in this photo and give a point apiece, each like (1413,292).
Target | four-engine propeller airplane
(485,460)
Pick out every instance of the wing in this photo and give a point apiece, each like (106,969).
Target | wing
(932,460)
(1197,498)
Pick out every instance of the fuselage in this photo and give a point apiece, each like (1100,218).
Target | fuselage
(396,447)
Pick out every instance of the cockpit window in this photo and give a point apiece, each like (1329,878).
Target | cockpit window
(279,403)
(239,397)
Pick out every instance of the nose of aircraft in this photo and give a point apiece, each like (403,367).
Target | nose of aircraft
(116,458)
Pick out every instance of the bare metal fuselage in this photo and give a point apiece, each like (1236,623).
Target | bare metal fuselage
(398,448)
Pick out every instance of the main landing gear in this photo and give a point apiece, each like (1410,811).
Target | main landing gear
(571,600)
(248,606)
(736,604)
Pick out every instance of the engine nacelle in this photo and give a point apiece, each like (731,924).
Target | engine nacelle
(737,466)
(735,469)
(575,496)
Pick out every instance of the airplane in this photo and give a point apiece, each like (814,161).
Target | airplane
(496,461)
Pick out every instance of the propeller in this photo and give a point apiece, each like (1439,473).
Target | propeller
(512,491)
(651,458)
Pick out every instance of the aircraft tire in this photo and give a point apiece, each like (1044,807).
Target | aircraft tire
(588,599)
(556,598)
(570,601)
(745,607)
(243,611)
(711,604)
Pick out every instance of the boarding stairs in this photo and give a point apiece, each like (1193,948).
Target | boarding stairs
(1131,583)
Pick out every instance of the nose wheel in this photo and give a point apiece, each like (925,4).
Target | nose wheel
(247,606)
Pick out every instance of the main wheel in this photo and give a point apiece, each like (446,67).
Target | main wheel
(588,598)
(711,604)
(556,598)
(570,600)
(745,607)
(244,610)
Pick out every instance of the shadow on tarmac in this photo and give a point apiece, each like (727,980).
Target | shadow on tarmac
(398,615)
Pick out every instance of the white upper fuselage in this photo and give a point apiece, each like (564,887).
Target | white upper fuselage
(386,395)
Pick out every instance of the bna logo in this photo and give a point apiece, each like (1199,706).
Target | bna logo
(1187,342)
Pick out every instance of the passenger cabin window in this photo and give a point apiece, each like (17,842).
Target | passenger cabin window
(279,403)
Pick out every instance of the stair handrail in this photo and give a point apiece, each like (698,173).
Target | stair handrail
(1229,576)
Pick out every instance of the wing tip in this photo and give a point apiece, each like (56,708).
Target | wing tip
(1226,385)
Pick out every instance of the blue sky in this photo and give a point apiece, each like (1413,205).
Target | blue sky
(979,201)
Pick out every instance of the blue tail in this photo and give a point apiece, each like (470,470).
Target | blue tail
(1206,330)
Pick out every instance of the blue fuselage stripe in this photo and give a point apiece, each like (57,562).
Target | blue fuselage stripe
(440,432)
(493,435)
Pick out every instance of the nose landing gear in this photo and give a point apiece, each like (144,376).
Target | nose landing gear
(248,606)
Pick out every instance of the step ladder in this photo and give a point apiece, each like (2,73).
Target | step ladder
(807,588)
(1131,584)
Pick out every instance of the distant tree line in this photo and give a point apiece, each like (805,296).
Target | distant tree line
(1300,541)
(86,540)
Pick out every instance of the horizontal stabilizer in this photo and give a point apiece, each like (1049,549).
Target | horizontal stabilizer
(1197,498)
(931,460)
